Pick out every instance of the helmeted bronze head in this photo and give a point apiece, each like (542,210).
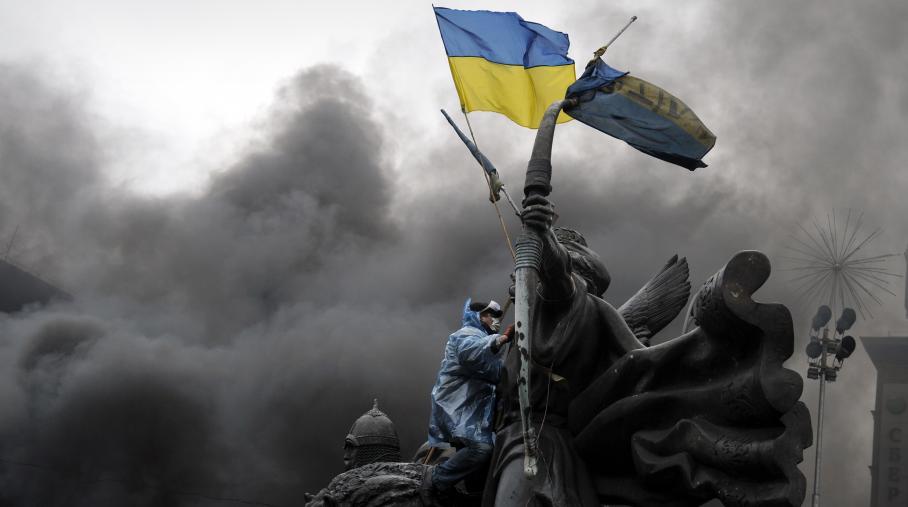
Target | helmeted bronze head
(371,439)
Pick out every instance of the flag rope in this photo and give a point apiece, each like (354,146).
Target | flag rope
(504,228)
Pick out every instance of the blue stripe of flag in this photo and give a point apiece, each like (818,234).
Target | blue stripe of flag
(501,37)
(655,135)
(600,107)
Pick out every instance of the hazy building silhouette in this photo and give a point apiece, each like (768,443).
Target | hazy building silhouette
(889,471)
(19,289)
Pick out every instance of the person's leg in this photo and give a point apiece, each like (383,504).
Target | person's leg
(468,459)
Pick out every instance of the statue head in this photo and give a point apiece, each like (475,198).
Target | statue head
(371,439)
(584,262)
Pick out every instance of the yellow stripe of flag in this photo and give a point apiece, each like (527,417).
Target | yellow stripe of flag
(522,94)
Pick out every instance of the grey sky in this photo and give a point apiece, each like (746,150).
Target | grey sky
(264,215)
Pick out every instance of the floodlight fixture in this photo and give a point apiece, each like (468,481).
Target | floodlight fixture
(814,349)
(845,348)
(821,318)
(845,321)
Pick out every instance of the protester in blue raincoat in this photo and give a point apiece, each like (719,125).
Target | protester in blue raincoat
(463,398)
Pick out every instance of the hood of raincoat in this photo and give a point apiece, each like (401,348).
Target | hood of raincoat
(471,318)
(463,398)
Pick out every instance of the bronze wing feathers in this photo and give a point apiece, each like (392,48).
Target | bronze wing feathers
(658,302)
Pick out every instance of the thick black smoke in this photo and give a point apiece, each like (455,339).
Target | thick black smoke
(218,345)
(221,345)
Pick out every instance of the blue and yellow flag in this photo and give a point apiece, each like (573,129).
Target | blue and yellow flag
(640,114)
(503,64)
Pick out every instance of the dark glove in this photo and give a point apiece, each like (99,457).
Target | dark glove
(508,333)
(505,337)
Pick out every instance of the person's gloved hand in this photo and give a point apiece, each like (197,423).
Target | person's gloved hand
(507,335)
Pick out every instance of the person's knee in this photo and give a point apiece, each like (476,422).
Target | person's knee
(485,448)
(480,451)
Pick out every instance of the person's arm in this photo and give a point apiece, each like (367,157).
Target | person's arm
(501,339)
(478,355)
(555,270)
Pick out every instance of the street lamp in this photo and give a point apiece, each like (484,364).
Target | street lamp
(825,357)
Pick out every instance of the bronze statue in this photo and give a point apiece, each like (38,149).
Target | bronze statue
(371,439)
(577,336)
(711,414)
(589,414)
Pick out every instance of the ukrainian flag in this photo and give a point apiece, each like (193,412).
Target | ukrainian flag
(641,114)
(503,64)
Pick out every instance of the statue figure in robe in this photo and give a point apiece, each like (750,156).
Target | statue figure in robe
(608,419)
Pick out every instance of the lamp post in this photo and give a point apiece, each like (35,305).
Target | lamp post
(830,263)
(825,357)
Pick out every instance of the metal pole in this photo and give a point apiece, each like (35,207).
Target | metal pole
(816,470)
(483,161)
(601,51)
(510,201)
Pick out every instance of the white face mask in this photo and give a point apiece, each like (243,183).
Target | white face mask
(496,324)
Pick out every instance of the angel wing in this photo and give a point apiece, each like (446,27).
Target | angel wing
(659,301)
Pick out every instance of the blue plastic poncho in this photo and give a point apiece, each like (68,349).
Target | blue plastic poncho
(463,398)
